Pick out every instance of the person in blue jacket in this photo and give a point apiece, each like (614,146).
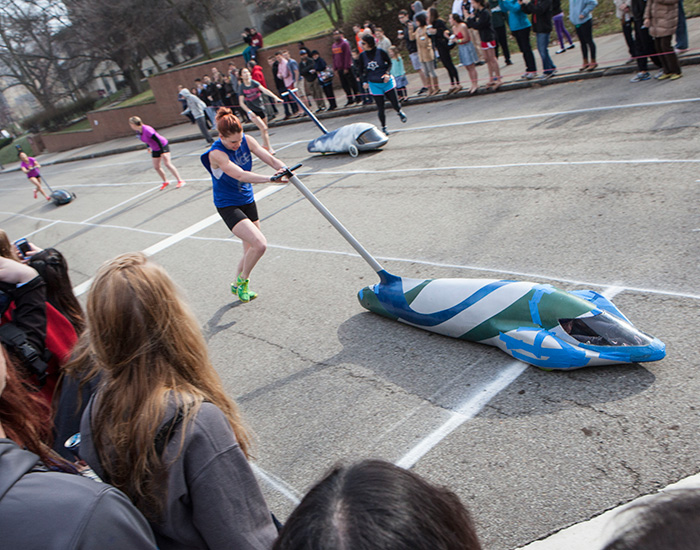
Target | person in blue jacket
(520,28)
(580,16)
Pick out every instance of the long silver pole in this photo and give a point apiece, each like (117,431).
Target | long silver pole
(307,110)
(374,264)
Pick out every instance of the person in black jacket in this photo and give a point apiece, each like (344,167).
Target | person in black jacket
(44,503)
(375,65)
(325,78)
(437,29)
(541,11)
(480,19)
(643,41)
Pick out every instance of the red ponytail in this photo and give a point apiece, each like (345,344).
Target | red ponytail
(227,123)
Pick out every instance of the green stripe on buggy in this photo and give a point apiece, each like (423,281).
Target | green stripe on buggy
(551,307)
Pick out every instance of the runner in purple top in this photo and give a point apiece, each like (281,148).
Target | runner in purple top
(30,166)
(158,147)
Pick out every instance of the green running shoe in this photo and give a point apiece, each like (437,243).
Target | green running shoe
(234,286)
(245,295)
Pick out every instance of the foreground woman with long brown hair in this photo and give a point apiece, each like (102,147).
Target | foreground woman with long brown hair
(160,427)
(44,502)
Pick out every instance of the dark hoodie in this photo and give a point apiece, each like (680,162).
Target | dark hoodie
(46,510)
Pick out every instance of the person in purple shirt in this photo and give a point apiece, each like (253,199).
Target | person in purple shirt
(158,147)
(342,64)
(30,166)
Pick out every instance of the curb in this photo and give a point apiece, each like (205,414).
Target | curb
(559,78)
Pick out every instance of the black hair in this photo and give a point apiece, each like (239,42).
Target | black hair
(421,19)
(369,40)
(667,521)
(374,504)
(53,268)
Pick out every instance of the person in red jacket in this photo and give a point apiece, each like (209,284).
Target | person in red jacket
(342,64)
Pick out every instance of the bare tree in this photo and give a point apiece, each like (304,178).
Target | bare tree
(121,31)
(32,54)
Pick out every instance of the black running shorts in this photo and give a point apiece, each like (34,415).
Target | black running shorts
(157,154)
(234,214)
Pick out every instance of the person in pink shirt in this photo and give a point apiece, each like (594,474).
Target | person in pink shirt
(286,74)
(158,147)
(30,166)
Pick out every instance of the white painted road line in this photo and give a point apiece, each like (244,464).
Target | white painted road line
(496,166)
(475,404)
(466,411)
(276,483)
(501,272)
(182,235)
(555,113)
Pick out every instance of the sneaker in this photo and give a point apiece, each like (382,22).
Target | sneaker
(548,74)
(508,62)
(244,294)
(422,90)
(529,76)
(561,51)
(404,118)
(641,76)
(664,76)
(180,183)
(571,46)
(165,184)
(658,75)
(675,76)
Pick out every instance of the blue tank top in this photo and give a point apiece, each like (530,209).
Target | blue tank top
(229,191)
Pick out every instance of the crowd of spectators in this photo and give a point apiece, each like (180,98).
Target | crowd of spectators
(474,34)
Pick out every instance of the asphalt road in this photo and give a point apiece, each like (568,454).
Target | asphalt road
(583,185)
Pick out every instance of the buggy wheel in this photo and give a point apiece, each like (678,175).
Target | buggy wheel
(353,151)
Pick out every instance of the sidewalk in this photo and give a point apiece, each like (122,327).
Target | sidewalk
(612,60)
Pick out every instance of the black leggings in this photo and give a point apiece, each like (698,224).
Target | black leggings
(585,35)
(522,37)
(446,59)
(502,41)
(379,100)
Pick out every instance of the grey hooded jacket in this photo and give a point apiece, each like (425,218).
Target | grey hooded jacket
(45,510)
(194,105)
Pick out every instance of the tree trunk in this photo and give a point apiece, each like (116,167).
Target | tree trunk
(193,28)
(217,29)
(337,22)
